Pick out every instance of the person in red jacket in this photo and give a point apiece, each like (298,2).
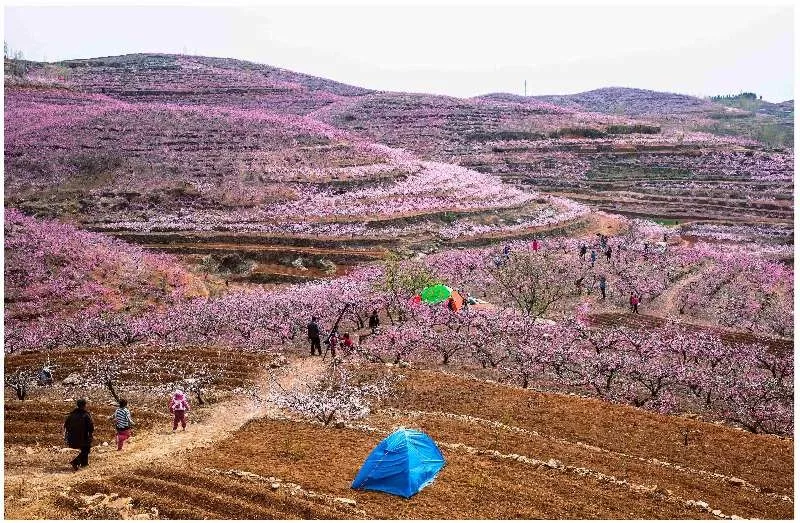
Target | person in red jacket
(347,342)
(634,301)
(178,406)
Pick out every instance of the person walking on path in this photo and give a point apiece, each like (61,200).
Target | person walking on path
(608,253)
(374,321)
(603,287)
(313,336)
(122,422)
(78,432)
(634,301)
(583,250)
(178,406)
(593,257)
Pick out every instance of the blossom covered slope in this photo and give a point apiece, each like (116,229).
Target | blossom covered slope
(670,368)
(157,152)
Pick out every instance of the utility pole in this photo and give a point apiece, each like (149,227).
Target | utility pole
(526,88)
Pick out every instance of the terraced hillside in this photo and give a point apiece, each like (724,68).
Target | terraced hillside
(144,145)
(198,80)
(637,152)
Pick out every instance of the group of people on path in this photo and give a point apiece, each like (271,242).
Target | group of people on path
(499,261)
(79,426)
(334,339)
(634,300)
(604,247)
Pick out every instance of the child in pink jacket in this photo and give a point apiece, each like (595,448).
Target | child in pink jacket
(178,406)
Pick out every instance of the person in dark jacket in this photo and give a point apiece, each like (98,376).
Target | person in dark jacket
(603,286)
(313,336)
(374,321)
(583,250)
(608,253)
(78,431)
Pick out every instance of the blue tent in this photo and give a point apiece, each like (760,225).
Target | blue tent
(403,464)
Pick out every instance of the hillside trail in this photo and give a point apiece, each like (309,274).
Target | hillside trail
(219,422)
(666,303)
(605,224)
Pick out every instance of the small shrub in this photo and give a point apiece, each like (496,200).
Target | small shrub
(578,132)
(633,129)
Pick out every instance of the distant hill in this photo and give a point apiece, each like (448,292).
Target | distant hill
(135,136)
(201,80)
(750,102)
(630,102)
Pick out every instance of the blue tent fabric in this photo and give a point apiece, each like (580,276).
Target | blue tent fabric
(404,463)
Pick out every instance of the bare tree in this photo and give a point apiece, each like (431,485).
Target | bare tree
(106,372)
(20,381)
(535,281)
(197,381)
(333,397)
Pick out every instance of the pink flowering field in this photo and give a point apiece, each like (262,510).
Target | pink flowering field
(625,259)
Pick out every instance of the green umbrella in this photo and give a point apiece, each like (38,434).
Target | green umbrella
(435,293)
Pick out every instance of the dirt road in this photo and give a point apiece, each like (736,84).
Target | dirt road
(39,487)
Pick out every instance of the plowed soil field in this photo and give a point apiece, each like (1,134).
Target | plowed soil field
(511,453)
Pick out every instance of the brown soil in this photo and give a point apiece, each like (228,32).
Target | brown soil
(612,462)
(38,473)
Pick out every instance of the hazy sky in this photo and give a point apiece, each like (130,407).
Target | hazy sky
(461,51)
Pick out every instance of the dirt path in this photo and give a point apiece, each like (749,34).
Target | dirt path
(605,224)
(666,303)
(219,422)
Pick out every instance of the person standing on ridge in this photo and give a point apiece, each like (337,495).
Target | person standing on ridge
(122,422)
(78,432)
(313,336)
(178,406)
